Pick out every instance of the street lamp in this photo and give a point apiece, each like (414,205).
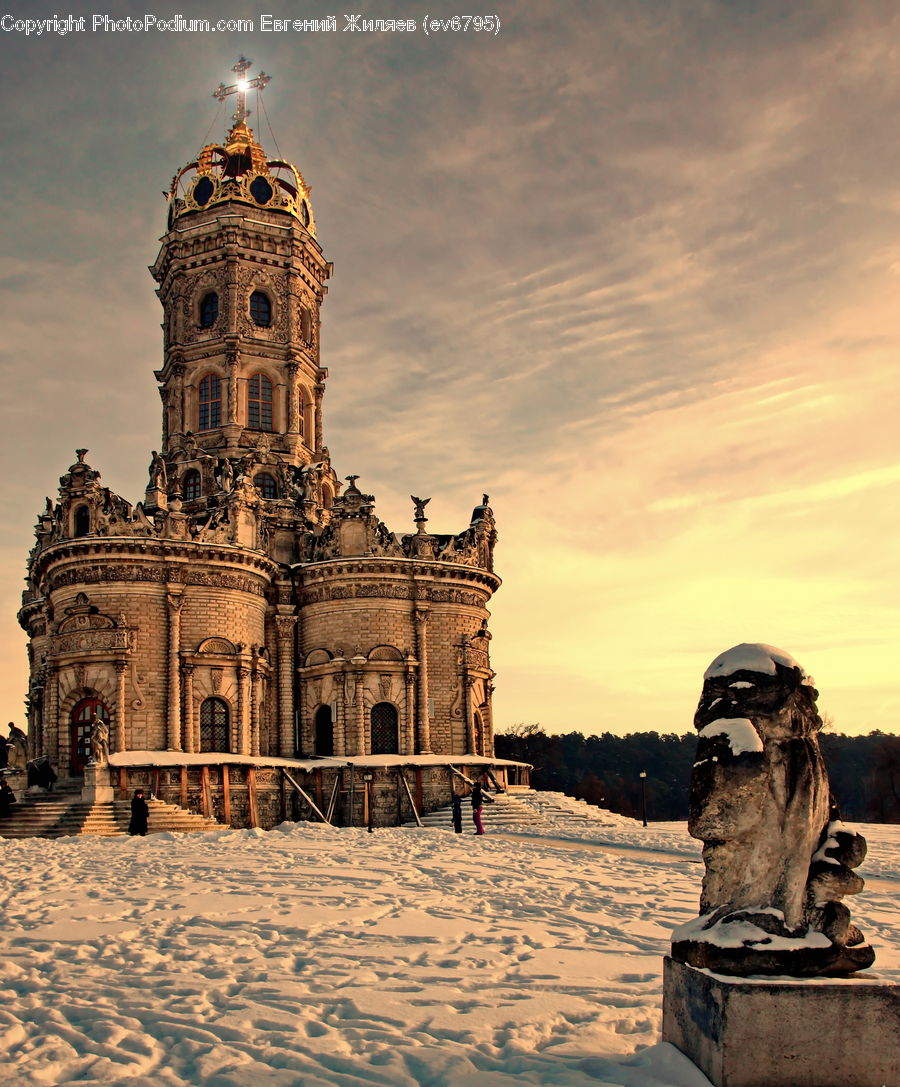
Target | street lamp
(367,778)
(643,776)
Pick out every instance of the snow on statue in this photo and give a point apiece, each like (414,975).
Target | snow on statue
(778,859)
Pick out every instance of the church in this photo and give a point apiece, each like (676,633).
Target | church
(250,625)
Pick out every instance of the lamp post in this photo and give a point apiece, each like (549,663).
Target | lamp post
(367,778)
(643,776)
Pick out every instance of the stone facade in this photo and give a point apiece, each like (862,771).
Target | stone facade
(250,603)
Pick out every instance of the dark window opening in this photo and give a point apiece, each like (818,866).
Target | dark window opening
(209,310)
(385,737)
(259,403)
(260,309)
(266,485)
(82,524)
(260,190)
(214,725)
(191,485)
(210,403)
(203,191)
(324,732)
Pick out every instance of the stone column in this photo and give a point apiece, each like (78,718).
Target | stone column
(187,679)
(409,722)
(359,705)
(243,732)
(254,706)
(174,600)
(51,714)
(339,716)
(471,745)
(293,369)
(164,397)
(320,440)
(178,413)
(285,627)
(424,725)
(119,734)
(231,404)
(489,720)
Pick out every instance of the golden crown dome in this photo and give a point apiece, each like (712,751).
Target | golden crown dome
(239,171)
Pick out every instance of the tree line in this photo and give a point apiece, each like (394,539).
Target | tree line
(605,770)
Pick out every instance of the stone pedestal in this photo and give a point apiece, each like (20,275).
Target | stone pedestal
(781,1032)
(97,786)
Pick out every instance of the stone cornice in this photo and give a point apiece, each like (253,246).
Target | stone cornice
(313,573)
(144,550)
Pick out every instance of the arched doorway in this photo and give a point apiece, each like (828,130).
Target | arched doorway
(479,734)
(80,731)
(214,731)
(324,726)
(384,729)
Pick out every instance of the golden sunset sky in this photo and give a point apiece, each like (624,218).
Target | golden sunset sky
(631,268)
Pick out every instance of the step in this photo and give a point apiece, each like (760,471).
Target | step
(67,815)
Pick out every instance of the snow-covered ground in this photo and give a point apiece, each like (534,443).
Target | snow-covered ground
(311,955)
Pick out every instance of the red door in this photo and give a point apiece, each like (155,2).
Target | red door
(80,732)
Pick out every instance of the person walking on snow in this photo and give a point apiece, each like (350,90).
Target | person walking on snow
(140,813)
(478,798)
(456,813)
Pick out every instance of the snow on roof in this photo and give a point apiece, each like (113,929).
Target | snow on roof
(210,758)
(753,657)
(739,731)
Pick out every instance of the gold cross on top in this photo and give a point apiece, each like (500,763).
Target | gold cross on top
(240,89)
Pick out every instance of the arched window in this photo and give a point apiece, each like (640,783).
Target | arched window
(324,732)
(301,414)
(82,522)
(479,733)
(385,739)
(210,403)
(214,725)
(209,310)
(80,731)
(259,403)
(191,485)
(266,485)
(260,309)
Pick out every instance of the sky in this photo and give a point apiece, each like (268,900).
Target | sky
(631,269)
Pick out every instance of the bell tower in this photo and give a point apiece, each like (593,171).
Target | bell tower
(241,280)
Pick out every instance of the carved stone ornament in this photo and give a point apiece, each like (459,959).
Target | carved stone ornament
(778,859)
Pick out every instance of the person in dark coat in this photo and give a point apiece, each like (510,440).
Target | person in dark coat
(456,813)
(7,798)
(140,813)
(41,773)
(478,798)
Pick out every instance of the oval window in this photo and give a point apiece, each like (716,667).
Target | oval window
(203,191)
(304,213)
(260,190)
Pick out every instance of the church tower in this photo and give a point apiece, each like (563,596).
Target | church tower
(241,279)
(248,608)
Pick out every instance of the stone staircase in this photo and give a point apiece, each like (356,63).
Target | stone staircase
(63,813)
(508,810)
(521,808)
